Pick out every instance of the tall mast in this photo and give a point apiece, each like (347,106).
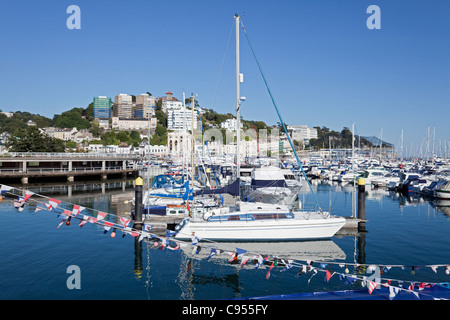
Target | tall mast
(238,101)
(353,145)
(401,147)
(192,142)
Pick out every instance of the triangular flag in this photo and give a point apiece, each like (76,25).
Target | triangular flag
(261,261)
(393,292)
(77,209)
(268,272)
(19,204)
(101,215)
(28,195)
(54,203)
(244,260)
(4,189)
(62,221)
(314,271)
(84,221)
(233,256)
(124,221)
(328,275)
(213,252)
(372,285)
(288,265)
(302,269)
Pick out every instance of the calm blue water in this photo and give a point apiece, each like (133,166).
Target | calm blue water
(35,255)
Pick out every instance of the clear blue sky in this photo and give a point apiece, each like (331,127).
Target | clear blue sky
(324,66)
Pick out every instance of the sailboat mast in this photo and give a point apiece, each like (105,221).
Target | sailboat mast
(238,101)
(192,143)
(353,145)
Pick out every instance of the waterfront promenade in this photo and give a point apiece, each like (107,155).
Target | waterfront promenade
(26,166)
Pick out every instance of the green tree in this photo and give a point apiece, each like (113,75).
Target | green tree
(30,139)
(70,119)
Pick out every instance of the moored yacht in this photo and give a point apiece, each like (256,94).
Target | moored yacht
(259,222)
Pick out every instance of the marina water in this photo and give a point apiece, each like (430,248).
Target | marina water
(35,254)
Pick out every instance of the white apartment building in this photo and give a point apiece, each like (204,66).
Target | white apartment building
(302,133)
(178,116)
(230,124)
(167,105)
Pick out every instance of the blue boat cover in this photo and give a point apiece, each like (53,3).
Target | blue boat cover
(440,291)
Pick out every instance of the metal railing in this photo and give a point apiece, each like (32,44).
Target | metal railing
(70,155)
(66,170)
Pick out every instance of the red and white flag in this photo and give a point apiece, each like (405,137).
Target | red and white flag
(28,195)
(328,275)
(101,215)
(76,210)
(244,260)
(62,221)
(109,224)
(124,221)
(268,272)
(54,203)
(371,286)
(84,221)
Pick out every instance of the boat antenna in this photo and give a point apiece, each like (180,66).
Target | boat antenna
(279,116)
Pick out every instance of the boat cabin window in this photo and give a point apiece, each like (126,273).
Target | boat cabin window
(250,217)
(266,216)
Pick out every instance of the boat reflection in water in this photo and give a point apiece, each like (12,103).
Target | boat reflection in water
(442,206)
(318,250)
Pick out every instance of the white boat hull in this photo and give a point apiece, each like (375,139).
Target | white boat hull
(299,228)
(443,194)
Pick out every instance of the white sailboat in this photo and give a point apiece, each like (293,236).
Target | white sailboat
(253,221)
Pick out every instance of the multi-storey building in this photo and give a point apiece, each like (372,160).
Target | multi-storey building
(133,124)
(230,124)
(123,106)
(145,106)
(102,107)
(179,118)
(302,133)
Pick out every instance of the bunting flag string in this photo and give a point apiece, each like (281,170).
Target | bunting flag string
(238,256)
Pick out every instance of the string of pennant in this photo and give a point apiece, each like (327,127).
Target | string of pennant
(242,257)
